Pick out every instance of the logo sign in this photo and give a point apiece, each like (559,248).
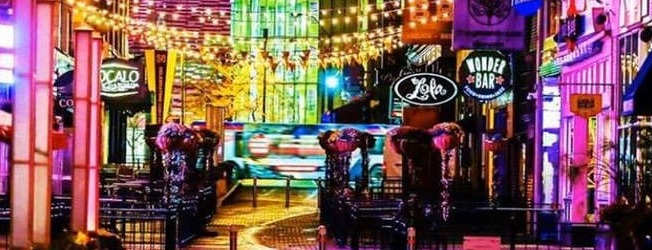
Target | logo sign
(581,53)
(120,78)
(425,89)
(485,75)
(527,7)
(492,25)
(586,105)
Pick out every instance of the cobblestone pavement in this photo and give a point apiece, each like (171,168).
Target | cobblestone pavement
(256,225)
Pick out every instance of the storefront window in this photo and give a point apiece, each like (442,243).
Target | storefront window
(554,17)
(629,59)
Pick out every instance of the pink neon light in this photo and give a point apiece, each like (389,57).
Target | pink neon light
(94,136)
(80,193)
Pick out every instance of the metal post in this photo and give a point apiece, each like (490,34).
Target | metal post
(254,192)
(287,192)
(321,237)
(542,25)
(411,238)
(512,232)
(233,237)
(170,228)
(265,37)
(319,194)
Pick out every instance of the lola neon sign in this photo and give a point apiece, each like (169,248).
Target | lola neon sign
(120,78)
(425,89)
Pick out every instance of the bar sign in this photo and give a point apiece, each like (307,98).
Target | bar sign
(586,105)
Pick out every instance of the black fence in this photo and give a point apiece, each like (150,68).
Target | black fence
(382,219)
(141,222)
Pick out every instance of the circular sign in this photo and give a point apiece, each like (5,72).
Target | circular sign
(484,75)
(489,12)
(425,89)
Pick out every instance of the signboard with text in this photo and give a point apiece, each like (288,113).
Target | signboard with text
(485,75)
(581,53)
(586,105)
(425,89)
(121,78)
(160,70)
(487,25)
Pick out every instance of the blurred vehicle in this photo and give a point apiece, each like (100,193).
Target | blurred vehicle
(273,151)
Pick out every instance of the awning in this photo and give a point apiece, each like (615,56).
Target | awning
(638,97)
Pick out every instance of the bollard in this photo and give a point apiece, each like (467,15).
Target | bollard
(254,192)
(321,237)
(233,237)
(287,192)
(512,232)
(411,239)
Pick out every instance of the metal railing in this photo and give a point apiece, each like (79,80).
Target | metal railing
(140,222)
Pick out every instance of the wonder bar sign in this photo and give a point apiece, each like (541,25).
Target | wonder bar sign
(120,78)
(485,75)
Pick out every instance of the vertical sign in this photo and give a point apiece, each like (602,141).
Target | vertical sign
(160,67)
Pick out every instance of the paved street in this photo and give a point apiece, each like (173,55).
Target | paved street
(268,226)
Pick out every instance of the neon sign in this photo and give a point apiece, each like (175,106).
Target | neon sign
(425,89)
(485,75)
(120,78)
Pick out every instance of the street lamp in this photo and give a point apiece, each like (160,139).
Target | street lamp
(332,82)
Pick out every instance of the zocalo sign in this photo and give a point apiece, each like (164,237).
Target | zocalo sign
(425,89)
(120,78)
(485,75)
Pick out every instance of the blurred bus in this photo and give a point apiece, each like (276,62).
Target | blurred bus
(274,151)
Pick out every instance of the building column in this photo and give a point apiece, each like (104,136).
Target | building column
(81,122)
(95,135)
(23,123)
(42,154)
(578,177)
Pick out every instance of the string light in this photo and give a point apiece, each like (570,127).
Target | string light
(162,37)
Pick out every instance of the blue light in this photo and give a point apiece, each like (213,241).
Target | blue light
(332,82)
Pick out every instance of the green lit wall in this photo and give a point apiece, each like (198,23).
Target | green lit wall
(292,27)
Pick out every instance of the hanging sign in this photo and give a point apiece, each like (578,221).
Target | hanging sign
(481,24)
(485,75)
(120,78)
(527,7)
(425,89)
(586,105)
